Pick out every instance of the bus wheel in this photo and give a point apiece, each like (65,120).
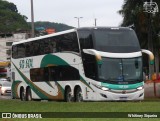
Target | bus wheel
(22,94)
(78,95)
(68,95)
(28,95)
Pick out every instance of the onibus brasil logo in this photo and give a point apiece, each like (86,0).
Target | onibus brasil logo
(150,7)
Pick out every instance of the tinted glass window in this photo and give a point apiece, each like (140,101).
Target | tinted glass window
(89,61)
(14,51)
(39,74)
(90,67)
(116,41)
(68,42)
(20,51)
(65,42)
(120,70)
(55,73)
(85,39)
(64,73)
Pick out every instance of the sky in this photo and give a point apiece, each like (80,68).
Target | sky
(65,11)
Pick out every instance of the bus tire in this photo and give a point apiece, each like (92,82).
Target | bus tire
(22,94)
(78,95)
(68,95)
(28,95)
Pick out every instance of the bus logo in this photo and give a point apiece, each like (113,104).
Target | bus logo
(150,7)
(28,63)
(6,115)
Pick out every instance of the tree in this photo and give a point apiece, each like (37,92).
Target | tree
(133,14)
(10,19)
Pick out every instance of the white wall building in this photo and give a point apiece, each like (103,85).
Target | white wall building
(6,43)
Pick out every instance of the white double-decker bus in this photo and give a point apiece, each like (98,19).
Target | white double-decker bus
(83,64)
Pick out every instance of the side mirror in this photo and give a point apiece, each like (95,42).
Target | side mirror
(95,53)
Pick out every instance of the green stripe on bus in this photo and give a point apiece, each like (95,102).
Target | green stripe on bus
(84,81)
(61,88)
(36,89)
(123,86)
(52,60)
(15,88)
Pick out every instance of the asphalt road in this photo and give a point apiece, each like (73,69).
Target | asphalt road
(7,96)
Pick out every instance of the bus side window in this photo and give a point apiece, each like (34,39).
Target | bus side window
(63,73)
(39,74)
(27,51)
(53,46)
(89,61)
(85,39)
(14,51)
(21,51)
(69,42)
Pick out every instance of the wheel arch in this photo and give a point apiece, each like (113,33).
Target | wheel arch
(76,87)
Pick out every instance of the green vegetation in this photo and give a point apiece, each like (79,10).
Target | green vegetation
(37,106)
(133,14)
(10,19)
(146,26)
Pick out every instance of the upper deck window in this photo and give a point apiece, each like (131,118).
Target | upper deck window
(116,40)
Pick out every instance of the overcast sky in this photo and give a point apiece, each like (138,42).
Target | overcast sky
(64,11)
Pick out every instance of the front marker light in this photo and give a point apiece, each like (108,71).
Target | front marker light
(140,88)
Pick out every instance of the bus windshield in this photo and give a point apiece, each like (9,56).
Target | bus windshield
(116,40)
(120,71)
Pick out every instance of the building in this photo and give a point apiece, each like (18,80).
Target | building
(50,30)
(5,71)
(6,41)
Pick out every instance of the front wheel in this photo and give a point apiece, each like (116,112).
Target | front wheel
(78,95)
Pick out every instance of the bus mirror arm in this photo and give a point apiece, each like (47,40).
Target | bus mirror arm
(151,56)
(94,52)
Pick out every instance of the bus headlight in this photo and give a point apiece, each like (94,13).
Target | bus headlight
(140,88)
(104,88)
(101,87)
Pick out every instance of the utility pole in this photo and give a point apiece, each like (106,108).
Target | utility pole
(95,22)
(78,20)
(32,19)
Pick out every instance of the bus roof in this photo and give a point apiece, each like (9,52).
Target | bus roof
(92,28)
(45,36)
(68,31)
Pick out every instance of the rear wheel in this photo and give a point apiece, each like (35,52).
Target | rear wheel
(22,95)
(78,95)
(68,95)
(28,95)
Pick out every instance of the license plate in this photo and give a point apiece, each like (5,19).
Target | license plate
(123,98)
